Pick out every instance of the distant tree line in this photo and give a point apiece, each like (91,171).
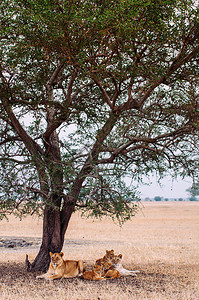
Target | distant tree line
(158,199)
(193,191)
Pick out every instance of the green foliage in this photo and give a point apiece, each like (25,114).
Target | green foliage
(194,190)
(92,92)
(108,196)
(193,199)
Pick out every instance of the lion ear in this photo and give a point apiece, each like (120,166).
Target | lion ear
(120,255)
(61,254)
(50,254)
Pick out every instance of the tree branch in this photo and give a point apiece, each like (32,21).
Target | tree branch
(70,86)
(90,162)
(123,149)
(55,75)
(133,103)
(106,97)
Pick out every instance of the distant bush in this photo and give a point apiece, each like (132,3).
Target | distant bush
(158,198)
(193,199)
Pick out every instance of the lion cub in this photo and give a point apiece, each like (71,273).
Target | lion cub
(60,268)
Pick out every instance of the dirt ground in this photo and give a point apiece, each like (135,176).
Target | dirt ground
(15,278)
(149,284)
(162,242)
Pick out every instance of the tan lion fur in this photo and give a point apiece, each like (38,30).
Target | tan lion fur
(95,273)
(117,265)
(108,267)
(60,268)
(107,257)
(100,268)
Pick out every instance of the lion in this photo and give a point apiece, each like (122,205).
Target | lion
(94,274)
(117,270)
(112,272)
(60,268)
(107,257)
(98,272)
(100,268)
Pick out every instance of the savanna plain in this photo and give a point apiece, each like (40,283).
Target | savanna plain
(162,241)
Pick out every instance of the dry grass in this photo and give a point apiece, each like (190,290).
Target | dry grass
(162,241)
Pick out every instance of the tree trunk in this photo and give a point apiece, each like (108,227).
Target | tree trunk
(56,220)
(54,227)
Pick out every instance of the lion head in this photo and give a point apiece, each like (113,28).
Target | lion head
(56,258)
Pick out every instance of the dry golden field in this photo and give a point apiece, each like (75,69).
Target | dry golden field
(162,241)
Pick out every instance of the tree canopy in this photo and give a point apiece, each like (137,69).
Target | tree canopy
(93,92)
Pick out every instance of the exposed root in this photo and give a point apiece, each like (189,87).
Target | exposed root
(28,264)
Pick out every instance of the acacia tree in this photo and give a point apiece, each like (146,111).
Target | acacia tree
(92,92)
(194,190)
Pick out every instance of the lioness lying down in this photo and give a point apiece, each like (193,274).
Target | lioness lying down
(117,270)
(100,268)
(59,267)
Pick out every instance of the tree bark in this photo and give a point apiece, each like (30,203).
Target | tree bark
(52,240)
(54,227)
